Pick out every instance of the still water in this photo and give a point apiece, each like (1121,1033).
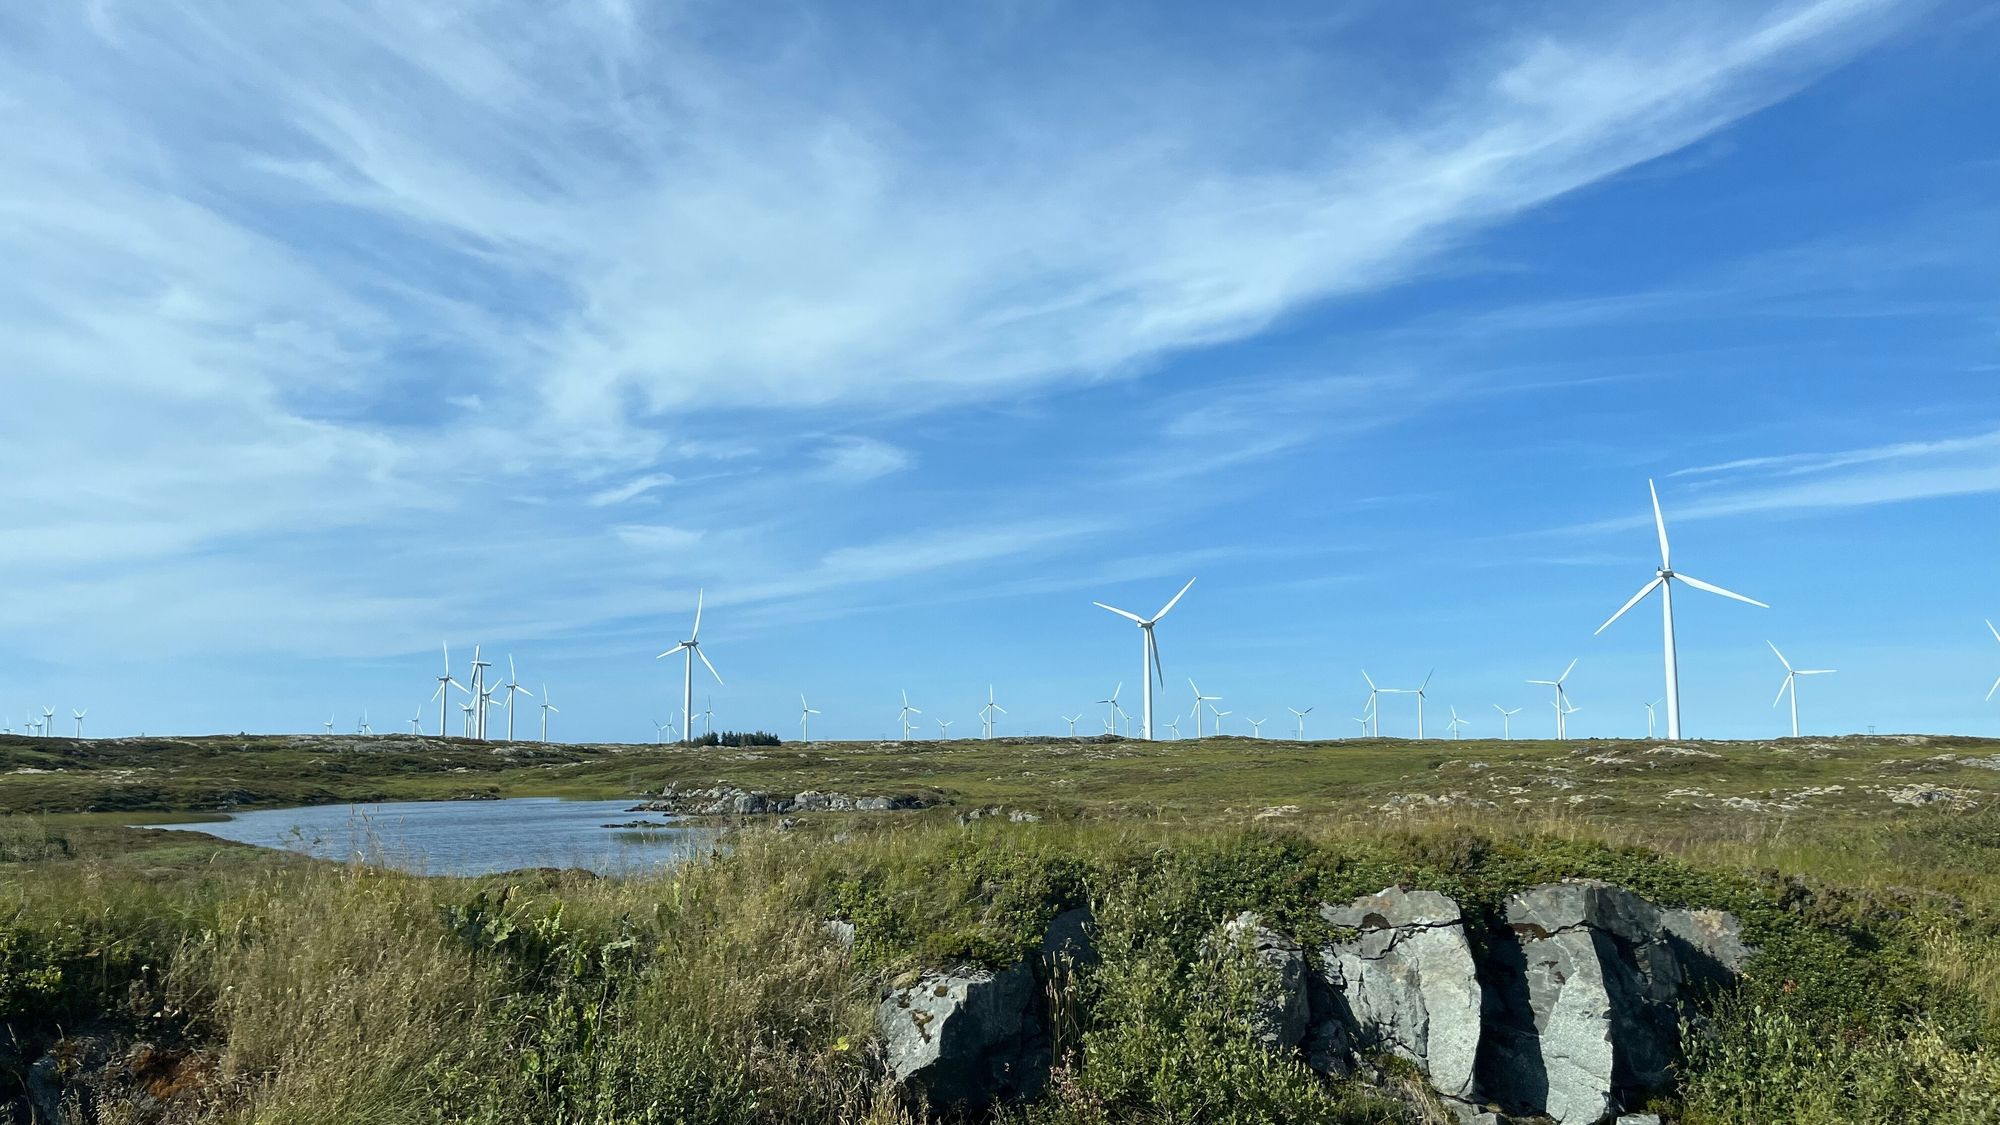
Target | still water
(469,837)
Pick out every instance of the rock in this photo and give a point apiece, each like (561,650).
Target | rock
(1071,940)
(967,1039)
(1588,994)
(1405,984)
(1639,1119)
(1282,1014)
(840,930)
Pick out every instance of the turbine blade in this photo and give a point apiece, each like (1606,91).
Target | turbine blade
(1567,671)
(1815,671)
(710,667)
(1991,690)
(696,634)
(1159,670)
(1780,656)
(1174,601)
(1992,630)
(1700,585)
(1120,612)
(1787,682)
(1626,608)
(1660,523)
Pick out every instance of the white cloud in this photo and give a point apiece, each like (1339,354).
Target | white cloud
(854,460)
(630,490)
(657,537)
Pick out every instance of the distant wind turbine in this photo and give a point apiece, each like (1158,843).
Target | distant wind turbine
(417,722)
(1200,699)
(905,716)
(548,708)
(1506,720)
(1149,655)
(660,728)
(805,714)
(1363,720)
(1374,712)
(480,694)
(944,729)
(986,712)
(1663,581)
(465,712)
(1217,715)
(1301,716)
(1562,728)
(1256,727)
(329,724)
(708,715)
(364,728)
(49,722)
(1419,693)
(1996,681)
(1071,720)
(79,721)
(513,688)
(1651,717)
(1111,723)
(1791,684)
(1456,723)
(692,647)
(1174,724)
(445,683)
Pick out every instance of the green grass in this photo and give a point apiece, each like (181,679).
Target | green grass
(295,990)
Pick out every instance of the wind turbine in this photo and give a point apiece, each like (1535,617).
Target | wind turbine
(1118,710)
(1373,712)
(364,728)
(1363,720)
(465,711)
(1791,684)
(513,688)
(1071,720)
(1566,709)
(1217,716)
(660,728)
(49,722)
(445,683)
(1419,693)
(986,712)
(548,709)
(1111,724)
(1506,720)
(1996,682)
(329,724)
(1456,723)
(479,694)
(708,715)
(1301,716)
(944,729)
(1562,728)
(417,723)
(805,713)
(905,716)
(1663,581)
(1149,656)
(1174,724)
(1256,727)
(1200,699)
(692,646)
(1651,715)
(78,715)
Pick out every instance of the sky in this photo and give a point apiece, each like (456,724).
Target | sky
(335,331)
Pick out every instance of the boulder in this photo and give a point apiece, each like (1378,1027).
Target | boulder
(966,1039)
(1588,986)
(1405,984)
(1070,941)
(1282,1013)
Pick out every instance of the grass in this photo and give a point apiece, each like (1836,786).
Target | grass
(285,989)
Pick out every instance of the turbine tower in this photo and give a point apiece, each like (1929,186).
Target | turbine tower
(1217,714)
(1372,711)
(905,716)
(329,724)
(944,729)
(1363,720)
(513,688)
(1791,684)
(1506,720)
(479,694)
(1652,716)
(1301,717)
(548,709)
(1111,723)
(78,715)
(1456,723)
(986,712)
(1149,656)
(48,722)
(1419,693)
(1071,720)
(445,683)
(1663,580)
(692,647)
(465,713)
(1562,728)
(1200,699)
(417,721)
(805,714)
(1256,727)
(1174,724)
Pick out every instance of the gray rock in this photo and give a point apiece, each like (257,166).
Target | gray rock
(1639,1119)
(966,1039)
(1405,984)
(1282,1014)
(840,930)
(1588,993)
(1071,939)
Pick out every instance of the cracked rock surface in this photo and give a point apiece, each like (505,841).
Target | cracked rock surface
(1405,984)
(967,1038)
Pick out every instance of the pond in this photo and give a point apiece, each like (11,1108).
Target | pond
(470,837)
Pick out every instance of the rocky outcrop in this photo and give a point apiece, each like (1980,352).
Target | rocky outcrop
(968,1038)
(1405,984)
(731,801)
(1283,1012)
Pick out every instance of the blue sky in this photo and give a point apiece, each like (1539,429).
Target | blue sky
(338,329)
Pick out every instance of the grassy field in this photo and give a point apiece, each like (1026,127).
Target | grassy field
(279,989)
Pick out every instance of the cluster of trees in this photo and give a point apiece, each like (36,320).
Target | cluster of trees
(737,738)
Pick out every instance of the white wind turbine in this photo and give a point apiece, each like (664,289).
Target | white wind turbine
(1071,720)
(49,722)
(445,683)
(805,715)
(1149,654)
(1652,716)
(1174,724)
(1562,728)
(986,712)
(1663,581)
(480,694)
(708,714)
(905,716)
(944,729)
(1419,693)
(329,724)
(78,715)
(1456,723)
(1111,723)
(1996,681)
(1373,712)
(1256,727)
(1506,720)
(417,723)
(548,708)
(1363,720)
(1217,715)
(692,647)
(1200,699)
(1301,717)
(465,712)
(364,728)
(513,688)
(1791,684)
